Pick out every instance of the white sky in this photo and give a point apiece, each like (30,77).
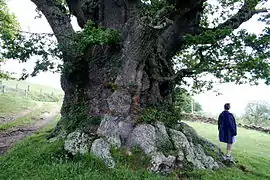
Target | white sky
(238,96)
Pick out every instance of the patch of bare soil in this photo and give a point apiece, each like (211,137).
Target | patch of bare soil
(10,137)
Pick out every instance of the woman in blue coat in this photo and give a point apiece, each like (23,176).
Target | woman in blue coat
(227,129)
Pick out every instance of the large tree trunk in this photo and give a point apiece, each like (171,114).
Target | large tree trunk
(116,82)
(106,88)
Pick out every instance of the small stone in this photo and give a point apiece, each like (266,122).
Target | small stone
(162,138)
(114,141)
(125,128)
(77,142)
(144,136)
(108,126)
(181,155)
(101,149)
(162,164)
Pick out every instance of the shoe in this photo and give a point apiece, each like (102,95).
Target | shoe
(228,157)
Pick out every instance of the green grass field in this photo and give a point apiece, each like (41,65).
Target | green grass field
(10,104)
(36,158)
(33,87)
(252,150)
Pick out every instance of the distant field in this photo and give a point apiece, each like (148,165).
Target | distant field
(19,89)
(33,87)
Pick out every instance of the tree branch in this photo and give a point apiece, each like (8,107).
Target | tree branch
(109,13)
(57,18)
(188,21)
(185,5)
(177,77)
(244,14)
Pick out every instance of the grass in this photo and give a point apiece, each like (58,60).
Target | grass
(29,118)
(252,150)
(10,104)
(33,87)
(37,158)
(37,92)
(249,142)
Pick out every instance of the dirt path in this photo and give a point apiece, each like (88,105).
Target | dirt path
(10,137)
(8,118)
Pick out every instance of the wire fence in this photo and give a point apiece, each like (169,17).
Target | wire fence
(28,93)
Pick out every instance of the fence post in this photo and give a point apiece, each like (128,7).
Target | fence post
(25,93)
(17,88)
(28,88)
(1,83)
(192,106)
(40,91)
(3,88)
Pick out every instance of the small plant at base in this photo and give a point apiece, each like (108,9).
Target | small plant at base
(79,115)
(168,117)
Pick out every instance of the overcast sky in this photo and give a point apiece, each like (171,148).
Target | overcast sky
(238,96)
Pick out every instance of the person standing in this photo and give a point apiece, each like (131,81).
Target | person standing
(227,129)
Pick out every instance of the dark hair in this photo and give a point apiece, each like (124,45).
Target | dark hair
(227,106)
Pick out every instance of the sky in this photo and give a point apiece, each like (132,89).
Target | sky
(237,95)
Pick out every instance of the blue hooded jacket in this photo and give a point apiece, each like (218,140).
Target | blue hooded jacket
(227,127)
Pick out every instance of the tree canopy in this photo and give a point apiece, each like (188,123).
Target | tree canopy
(9,29)
(258,113)
(211,45)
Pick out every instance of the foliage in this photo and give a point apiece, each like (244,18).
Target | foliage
(258,113)
(8,30)
(153,114)
(226,54)
(184,101)
(78,117)
(92,35)
(5,74)
(241,58)
(19,45)
(9,26)
(80,43)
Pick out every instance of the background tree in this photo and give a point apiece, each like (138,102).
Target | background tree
(8,30)
(184,101)
(124,60)
(258,113)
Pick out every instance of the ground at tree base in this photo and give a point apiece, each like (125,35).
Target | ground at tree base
(39,158)
(168,149)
